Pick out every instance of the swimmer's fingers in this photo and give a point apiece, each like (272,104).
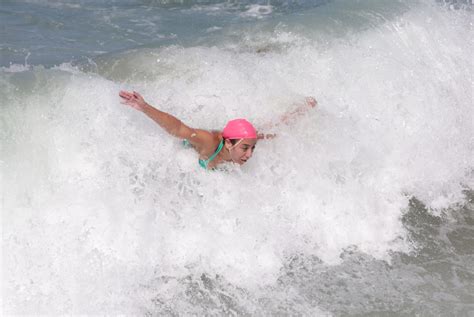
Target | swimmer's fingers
(311,101)
(129,100)
(131,96)
(125,94)
(138,97)
(132,99)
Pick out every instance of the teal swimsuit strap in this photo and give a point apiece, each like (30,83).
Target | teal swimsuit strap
(205,163)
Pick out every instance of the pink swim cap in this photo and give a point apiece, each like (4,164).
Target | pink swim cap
(239,129)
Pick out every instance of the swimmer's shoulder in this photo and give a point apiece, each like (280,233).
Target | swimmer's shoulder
(204,142)
(210,147)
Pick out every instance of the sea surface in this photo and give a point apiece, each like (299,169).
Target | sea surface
(363,206)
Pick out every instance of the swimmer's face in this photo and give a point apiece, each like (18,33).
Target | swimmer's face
(242,151)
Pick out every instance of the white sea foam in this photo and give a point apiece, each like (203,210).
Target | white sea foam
(100,200)
(15,68)
(257,11)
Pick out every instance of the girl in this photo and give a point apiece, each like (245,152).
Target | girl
(235,143)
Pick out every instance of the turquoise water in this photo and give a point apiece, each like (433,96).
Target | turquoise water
(363,207)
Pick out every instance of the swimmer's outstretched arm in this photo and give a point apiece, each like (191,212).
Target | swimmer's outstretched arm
(309,103)
(289,117)
(198,138)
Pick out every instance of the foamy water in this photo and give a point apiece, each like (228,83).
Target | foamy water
(102,212)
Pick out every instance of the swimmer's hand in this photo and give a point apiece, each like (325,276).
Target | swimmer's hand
(300,110)
(289,117)
(134,100)
(311,102)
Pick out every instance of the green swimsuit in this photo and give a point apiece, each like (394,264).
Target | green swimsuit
(205,163)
